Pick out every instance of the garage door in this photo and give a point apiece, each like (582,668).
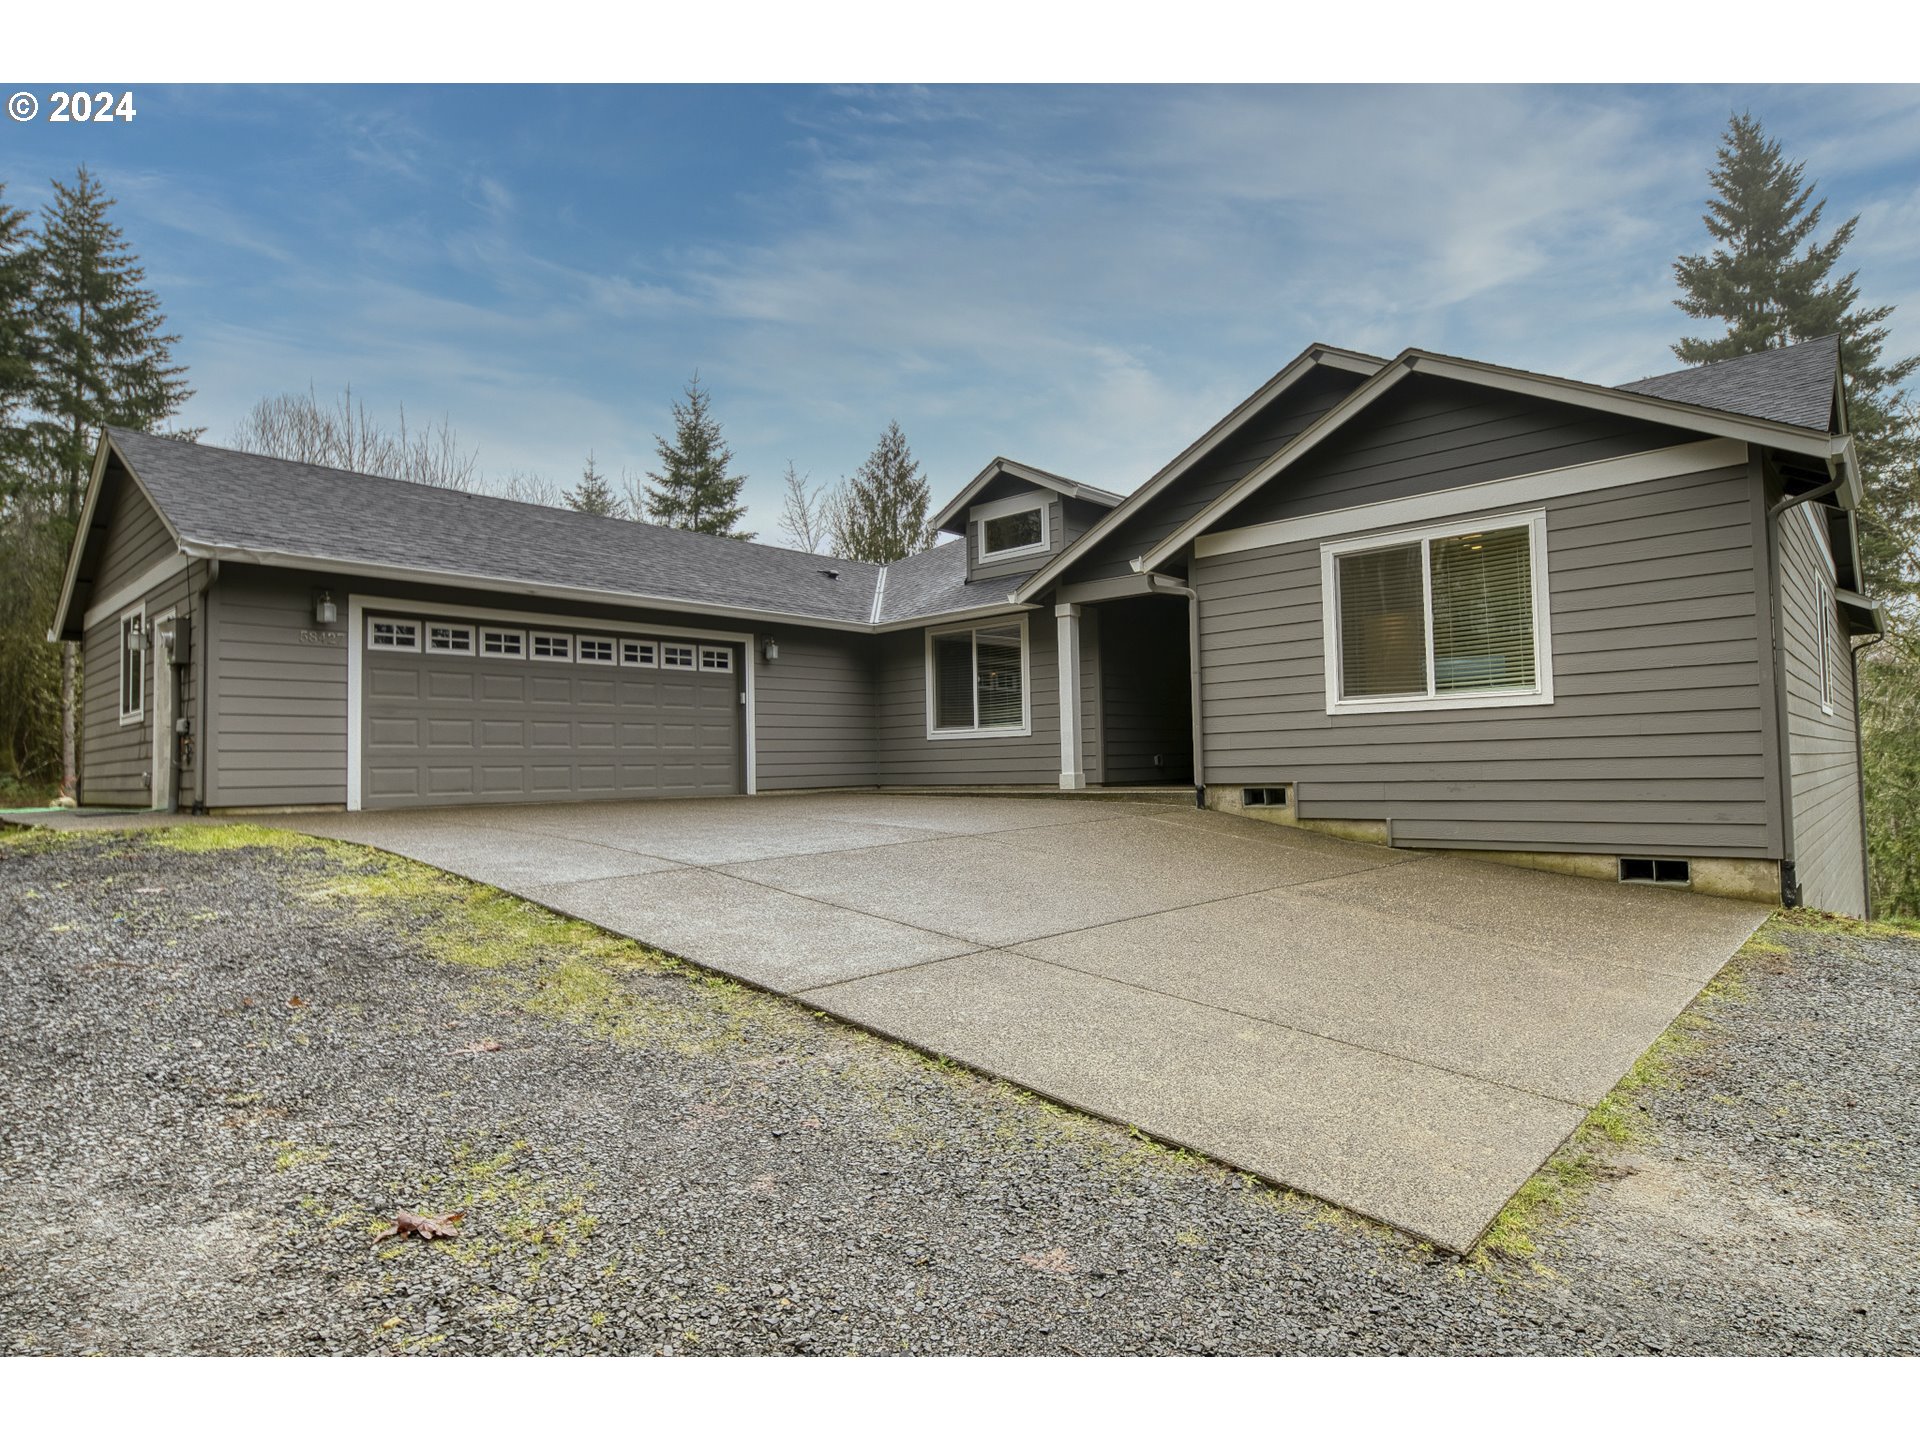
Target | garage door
(460,712)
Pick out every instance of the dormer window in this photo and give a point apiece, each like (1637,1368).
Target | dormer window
(1013,527)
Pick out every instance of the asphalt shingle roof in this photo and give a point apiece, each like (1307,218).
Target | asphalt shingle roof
(230,498)
(1793,385)
(934,582)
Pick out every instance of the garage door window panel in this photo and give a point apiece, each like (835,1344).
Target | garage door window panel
(449,639)
(549,646)
(385,634)
(503,644)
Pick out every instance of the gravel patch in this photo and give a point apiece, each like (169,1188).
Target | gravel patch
(222,1072)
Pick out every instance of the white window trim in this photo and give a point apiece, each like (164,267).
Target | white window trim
(692,650)
(426,639)
(1040,500)
(131,717)
(418,632)
(533,651)
(1539,693)
(1823,637)
(494,631)
(581,656)
(652,662)
(359,605)
(996,732)
(724,652)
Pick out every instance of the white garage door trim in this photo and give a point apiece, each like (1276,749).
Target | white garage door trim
(358,605)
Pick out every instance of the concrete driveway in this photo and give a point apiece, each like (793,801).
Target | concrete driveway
(1406,1035)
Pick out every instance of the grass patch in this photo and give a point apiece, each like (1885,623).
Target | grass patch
(208,839)
(1823,922)
(1621,1118)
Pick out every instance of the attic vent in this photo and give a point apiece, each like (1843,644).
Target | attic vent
(831,574)
(1264,795)
(1634,871)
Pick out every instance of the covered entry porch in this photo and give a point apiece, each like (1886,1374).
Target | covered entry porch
(1126,687)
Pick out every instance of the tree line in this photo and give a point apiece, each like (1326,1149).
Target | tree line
(84,344)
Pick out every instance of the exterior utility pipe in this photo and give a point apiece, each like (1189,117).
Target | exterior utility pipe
(1158,584)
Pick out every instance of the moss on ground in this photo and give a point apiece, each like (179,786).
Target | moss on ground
(1622,1118)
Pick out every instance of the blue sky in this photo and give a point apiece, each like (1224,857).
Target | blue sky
(1082,278)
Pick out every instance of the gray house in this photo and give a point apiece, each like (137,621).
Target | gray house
(1423,601)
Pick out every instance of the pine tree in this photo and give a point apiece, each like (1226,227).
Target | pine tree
(101,356)
(693,490)
(100,344)
(593,495)
(18,269)
(1771,280)
(1773,283)
(880,514)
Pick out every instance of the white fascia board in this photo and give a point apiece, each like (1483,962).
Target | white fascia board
(1437,505)
(954,617)
(1059,485)
(1290,374)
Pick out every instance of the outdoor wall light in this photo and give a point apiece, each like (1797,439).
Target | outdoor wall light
(769,649)
(325,612)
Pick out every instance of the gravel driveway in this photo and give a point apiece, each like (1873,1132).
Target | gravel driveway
(223,1069)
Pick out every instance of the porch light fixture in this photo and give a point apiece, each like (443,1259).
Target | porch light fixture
(769,649)
(325,612)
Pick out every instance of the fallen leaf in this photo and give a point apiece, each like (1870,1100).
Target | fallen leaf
(295,1001)
(479,1047)
(1052,1262)
(427,1227)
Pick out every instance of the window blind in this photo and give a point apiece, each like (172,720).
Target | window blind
(1482,611)
(953,681)
(997,676)
(1383,633)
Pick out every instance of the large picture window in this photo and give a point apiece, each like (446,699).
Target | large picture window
(1450,616)
(977,681)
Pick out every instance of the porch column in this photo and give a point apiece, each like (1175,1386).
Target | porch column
(1073,775)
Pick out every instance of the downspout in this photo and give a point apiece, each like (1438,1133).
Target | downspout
(1789,881)
(1860,768)
(202,741)
(1158,584)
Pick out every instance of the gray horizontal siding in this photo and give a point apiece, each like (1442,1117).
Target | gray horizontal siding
(280,707)
(1427,434)
(1259,437)
(908,757)
(814,711)
(1823,761)
(1023,565)
(1655,742)
(116,763)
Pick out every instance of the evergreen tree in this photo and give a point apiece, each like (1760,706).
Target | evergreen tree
(101,356)
(18,265)
(102,352)
(1772,281)
(593,495)
(693,490)
(880,514)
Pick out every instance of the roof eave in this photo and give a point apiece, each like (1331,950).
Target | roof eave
(95,481)
(1000,465)
(1290,374)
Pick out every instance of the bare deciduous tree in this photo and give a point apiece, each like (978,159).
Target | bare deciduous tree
(342,435)
(806,512)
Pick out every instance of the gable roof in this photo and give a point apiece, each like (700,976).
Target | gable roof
(1284,379)
(1795,384)
(1812,441)
(954,511)
(234,505)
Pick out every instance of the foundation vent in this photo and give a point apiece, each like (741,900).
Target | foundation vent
(1635,871)
(1254,795)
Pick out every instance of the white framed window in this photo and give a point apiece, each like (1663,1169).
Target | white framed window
(504,644)
(449,639)
(674,656)
(388,634)
(1823,629)
(977,681)
(1449,616)
(596,650)
(547,645)
(1012,527)
(644,653)
(716,657)
(133,665)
